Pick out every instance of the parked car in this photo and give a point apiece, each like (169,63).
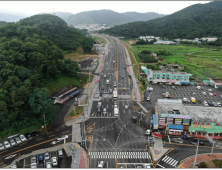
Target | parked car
(211,94)
(130,166)
(147,166)
(28,136)
(214,94)
(12,142)
(193,93)
(126,106)
(2,147)
(219,104)
(14,166)
(54,161)
(33,159)
(22,137)
(205,103)
(210,90)
(101,164)
(148,98)
(104,111)
(48,165)
(210,104)
(215,104)
(35,134)
(7,144)
(221,96)
(46,156)
(148,131)
(178,140)
(18,140)
(62,137)
(195,142)
(41,165)
(115,106)
(41,157)
(60,154)
(33,165)
(204,93)
(164,86)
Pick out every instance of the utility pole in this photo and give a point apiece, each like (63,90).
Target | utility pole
(195,160)
(212,148)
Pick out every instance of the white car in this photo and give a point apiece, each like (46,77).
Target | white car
(148,98)
(148,132)
(18,141)
(126,107)
(14,166)
(209,89)
(221,96)
(7,144)
(54,161)
(219,104)
(46,156)
(2,147)
(23,138)
(48,165)
(33,165)
(101,164)
(115,106)
(211,94)
(62,137)
(12,142)
(33,159)
(205,103)
(204,93)
(147,166)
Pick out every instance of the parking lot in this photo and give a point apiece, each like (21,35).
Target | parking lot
(28,162)
(186,91)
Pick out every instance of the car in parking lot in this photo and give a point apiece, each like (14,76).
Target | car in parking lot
(211,94)
(139,166)
(7,144)
(62,137)
(101,164)
(48,165)
(12,142)
(219,104)
(33,165)
(41,157)
(46,156)
(126,106)
(98,112)
(124,88)
(130,166)
(22,137)
(210,104)
(221,96)
(54,161)
(33,159)
(214,94)
(178,140)
(28,136)
(148,98)
(210,90)
(215,104)
(35,134)
(195,142)
(147,166)
(114,102)
(204,93)
(41,165)
(115,106)
(205,103)
(14,166)
(18,140)
(104,111)
(102,88)
(2,147)
(164,86)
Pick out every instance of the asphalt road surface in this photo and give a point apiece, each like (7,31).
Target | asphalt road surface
(115,139)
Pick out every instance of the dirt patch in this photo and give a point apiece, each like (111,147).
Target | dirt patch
(72,117)
(77,57)
(141,93)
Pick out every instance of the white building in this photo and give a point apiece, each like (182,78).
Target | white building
(212,39)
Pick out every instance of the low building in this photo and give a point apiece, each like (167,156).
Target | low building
(167,77)
(162,42)
(175,118)
(175,67)
(216,83)
(209,39)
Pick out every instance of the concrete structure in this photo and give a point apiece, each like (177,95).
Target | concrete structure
(194,119)
(149,38)
(174,67)
(167,77)
(162,42)
(216,83)
(209,39)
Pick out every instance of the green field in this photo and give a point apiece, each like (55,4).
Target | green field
(201,61)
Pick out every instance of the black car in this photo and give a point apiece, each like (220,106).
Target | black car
(28,136)
(210,104)
(130,166)
(35,134)
(102,88)
(41,165)
(195,142)
(164,86)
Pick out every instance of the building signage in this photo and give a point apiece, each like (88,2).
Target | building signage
(178,121)
(176,116)
(186,121)
(205,124)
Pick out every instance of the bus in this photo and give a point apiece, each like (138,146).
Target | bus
(115,94)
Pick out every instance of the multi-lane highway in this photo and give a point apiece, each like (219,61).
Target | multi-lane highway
(115,139)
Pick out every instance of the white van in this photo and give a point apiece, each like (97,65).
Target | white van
(60,153)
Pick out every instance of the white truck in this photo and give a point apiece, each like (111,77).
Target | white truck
(107,81)
(116,112)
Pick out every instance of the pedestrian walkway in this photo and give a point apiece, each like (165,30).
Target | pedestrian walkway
(119,155)
(141,106)
(76,133)
(188,162)
(170,161)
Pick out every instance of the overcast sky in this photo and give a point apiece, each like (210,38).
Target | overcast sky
(35,7)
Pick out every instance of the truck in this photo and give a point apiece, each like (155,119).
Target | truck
(193,100)
(115,94)
(107,82)
(116,112)
(167,95)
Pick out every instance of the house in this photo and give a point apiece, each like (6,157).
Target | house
(212,39)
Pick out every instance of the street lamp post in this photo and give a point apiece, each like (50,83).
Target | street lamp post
(212,148)
(195,160)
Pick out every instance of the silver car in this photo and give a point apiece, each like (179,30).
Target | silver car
(7,144)
(22,137)
(2,147)
(12,141)
(46,156)
(18,141)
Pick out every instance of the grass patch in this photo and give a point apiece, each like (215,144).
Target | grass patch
(79,110)
(217,163)
(117,54)
(201,61)
(133,61)
(99,40)
(142,88)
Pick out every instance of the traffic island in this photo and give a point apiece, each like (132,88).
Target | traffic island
(157,153)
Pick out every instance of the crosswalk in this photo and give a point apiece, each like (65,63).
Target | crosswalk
(76,133)
(170,161)
(119,155)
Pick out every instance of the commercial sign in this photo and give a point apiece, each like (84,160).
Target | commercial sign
(186,121)
(178,121)
(204,124)
(176,116)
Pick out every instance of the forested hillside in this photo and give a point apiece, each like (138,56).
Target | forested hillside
(198,20)
(31,52)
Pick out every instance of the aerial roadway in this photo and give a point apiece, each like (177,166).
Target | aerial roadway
(114,138)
